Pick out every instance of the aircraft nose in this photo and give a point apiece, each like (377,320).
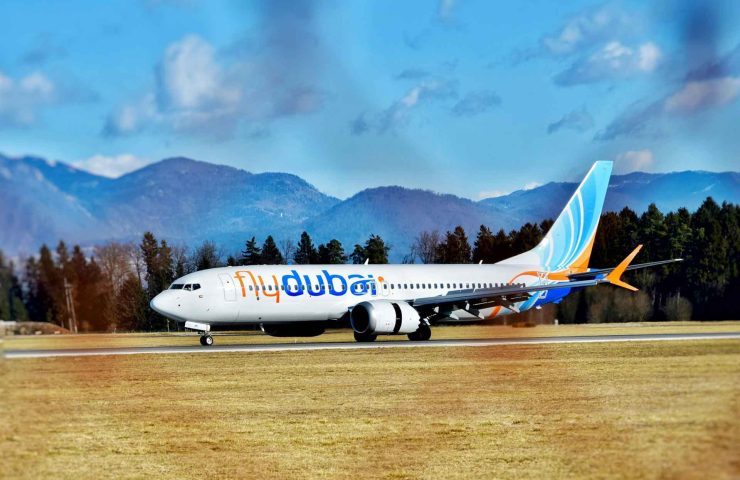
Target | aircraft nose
(160,304)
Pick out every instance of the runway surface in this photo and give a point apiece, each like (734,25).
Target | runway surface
(285,347)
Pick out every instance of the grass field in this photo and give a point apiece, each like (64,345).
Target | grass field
(630,410)
(345,335)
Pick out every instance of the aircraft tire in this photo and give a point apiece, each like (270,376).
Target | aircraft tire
(423,334)
(206,340)
(364,337)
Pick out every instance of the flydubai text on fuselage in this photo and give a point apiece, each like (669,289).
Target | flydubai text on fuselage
(401,299)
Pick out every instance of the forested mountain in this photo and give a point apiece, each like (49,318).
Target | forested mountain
(188,201)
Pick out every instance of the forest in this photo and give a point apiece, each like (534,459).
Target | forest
(109,286)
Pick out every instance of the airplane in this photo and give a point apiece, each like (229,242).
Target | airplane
(302,300)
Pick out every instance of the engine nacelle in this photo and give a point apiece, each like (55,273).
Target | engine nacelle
(384,317)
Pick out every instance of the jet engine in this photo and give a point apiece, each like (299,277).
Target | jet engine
(384,317)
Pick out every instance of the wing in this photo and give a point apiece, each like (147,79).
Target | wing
(474,300)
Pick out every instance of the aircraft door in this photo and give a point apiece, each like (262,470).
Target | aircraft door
(229,288)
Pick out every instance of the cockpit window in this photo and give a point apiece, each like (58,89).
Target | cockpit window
(176,286)
(196,286)
(187,287)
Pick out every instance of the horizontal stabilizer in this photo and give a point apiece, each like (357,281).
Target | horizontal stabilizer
(605,271)
(615,277)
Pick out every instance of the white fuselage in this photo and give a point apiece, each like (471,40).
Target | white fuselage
(295,293)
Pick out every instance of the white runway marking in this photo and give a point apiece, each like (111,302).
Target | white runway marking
(287,347)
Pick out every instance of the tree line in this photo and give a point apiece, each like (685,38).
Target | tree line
(110,286)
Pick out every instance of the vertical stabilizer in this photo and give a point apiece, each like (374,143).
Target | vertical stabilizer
(567,246)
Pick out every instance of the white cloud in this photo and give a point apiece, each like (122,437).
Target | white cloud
(21,99)
(190,78)
(398,112)
(501,193)
(702,94)
(492,194)
(111,166)
(648,57)
(634,160)
(199,92)
(586,28)
(613,60)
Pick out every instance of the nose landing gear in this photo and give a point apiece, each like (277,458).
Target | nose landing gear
(206,340)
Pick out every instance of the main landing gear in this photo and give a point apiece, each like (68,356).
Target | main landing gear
(206,340)
(365,337)
(423,334)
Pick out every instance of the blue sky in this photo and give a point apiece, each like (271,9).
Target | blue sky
(475,98)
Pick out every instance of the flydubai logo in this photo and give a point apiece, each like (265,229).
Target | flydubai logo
(295,285)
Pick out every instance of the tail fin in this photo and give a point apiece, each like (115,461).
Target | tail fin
(567,246)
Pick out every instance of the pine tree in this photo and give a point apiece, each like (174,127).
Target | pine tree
(205,256)
(455,248)
(483,249)
(501,247)
(271,253)
(305,253)
(251,255)
(376,251)
(332,253)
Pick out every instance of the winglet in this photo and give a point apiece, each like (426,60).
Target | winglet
(615,276)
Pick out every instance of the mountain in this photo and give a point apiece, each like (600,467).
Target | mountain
(180,199)
(397,214)
(637,190)
(187,201)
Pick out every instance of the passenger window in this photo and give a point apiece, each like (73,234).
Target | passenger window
(250,288)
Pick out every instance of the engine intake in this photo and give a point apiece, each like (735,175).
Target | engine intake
(384,317)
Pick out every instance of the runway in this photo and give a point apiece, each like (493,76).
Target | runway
(287,347)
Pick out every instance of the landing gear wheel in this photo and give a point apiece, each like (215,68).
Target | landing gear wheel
(365,337)
(423,334)
(206,340)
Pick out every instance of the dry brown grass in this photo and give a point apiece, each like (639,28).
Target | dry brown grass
(345,335)
(634,410)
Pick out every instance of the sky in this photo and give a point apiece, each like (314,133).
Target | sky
(474,98)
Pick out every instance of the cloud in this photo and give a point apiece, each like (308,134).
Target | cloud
(586,28)
(613,60)
(270,73)
(500,193)
(189,78)
(398,113)
(492,194)
(577,120)
(696,96)
(634,160)
(475,103)
(21,99)
(691,98)
(111,166)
